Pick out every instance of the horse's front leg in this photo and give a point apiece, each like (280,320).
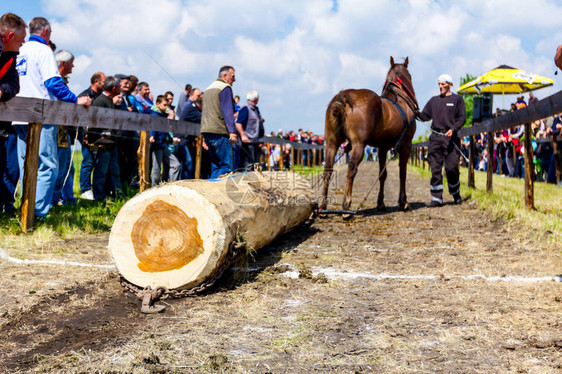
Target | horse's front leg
(356,158)
(382,178)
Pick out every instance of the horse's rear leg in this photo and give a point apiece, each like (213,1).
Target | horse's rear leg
(382,178)
(405,150)
(356,158)
(328,170)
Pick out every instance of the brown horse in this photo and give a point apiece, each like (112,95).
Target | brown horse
(365,118)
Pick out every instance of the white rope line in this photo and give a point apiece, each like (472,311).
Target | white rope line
(5,256)
(334,274)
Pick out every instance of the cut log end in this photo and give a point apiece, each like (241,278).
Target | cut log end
(165,238)
(178,234)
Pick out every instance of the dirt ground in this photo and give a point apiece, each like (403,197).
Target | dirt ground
(432,290)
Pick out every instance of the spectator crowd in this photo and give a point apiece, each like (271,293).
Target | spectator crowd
(507,156)
(109,165)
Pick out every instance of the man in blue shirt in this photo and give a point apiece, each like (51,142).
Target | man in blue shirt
(250,127)
(40,78)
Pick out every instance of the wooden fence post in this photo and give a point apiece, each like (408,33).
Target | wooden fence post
(198,150)
(281,168)
(30,176)
(293,159)
(423,157)
(529,186)
(490,167)
(471,151)
(143,158)
(267,146)
(313,157)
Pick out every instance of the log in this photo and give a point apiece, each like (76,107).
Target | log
(178,235)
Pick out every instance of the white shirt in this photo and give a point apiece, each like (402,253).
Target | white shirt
(36,64)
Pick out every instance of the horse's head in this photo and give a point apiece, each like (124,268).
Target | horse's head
(400,76)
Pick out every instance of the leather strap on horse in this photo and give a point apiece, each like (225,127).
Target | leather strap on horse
(407,125)
(408,96)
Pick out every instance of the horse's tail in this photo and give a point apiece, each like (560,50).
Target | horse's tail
(337,112)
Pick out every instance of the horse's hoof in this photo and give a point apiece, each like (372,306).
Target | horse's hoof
(347,216)
(381,208)
(406,207)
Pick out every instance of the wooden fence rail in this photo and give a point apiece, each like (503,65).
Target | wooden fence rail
(544,108)
(37,112)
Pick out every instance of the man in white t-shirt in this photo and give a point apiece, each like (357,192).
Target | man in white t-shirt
(40,78)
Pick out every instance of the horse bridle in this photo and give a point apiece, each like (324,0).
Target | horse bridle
(408,96)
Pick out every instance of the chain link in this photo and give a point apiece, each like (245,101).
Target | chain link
(163,293)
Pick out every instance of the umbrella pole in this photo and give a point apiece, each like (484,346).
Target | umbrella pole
(503,99)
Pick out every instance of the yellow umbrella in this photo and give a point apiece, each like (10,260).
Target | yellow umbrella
(505,80)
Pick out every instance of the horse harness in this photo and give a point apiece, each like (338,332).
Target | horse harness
(409,102)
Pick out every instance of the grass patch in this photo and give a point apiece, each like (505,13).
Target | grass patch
(507,202)
(67,221)
(306,171)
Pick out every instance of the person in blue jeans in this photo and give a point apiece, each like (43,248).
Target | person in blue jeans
(96,87)
(190,112)
(40,78)
(165,165)
(64,182)
(217,122)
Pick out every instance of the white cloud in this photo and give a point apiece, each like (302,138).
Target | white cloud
(298,54)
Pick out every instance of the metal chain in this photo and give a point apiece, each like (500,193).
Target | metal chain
(163,293)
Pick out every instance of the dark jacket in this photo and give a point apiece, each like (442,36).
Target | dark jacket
(9,83)
(190,113)
(98,137)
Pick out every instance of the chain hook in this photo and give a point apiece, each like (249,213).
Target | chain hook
(149,297)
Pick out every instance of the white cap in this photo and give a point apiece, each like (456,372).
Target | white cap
(445,78)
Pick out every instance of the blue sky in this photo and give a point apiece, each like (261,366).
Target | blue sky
(299,54)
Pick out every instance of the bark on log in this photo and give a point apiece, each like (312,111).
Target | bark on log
(177,235)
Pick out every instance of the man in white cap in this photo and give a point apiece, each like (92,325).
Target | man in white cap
(448,115)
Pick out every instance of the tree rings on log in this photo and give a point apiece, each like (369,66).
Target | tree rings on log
(176,235)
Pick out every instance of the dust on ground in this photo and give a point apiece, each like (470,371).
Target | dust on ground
(445,290)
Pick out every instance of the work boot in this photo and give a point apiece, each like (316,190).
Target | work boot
(435,203)
(457,198)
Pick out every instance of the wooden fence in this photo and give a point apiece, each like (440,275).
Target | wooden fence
(37,112)
(544,108)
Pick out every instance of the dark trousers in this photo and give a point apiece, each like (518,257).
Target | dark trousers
(442,152)
(127,147)
(106,178)
(250,155)
(9,171)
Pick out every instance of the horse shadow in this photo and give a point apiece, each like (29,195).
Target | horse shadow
(388,210)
